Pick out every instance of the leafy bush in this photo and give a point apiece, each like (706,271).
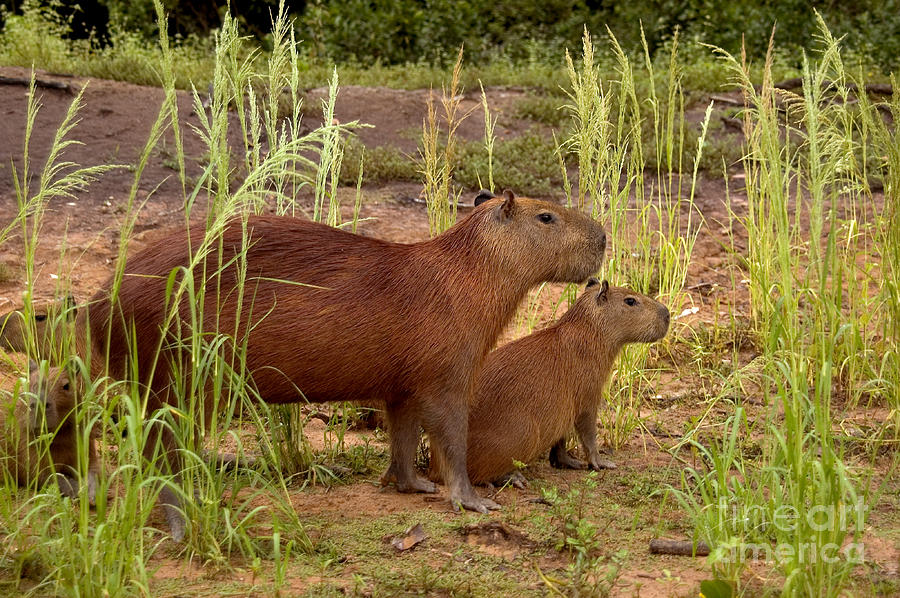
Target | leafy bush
(412,30)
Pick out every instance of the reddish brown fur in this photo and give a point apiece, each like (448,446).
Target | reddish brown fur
(532,391)
(47,327)
(47,407)
(403,324)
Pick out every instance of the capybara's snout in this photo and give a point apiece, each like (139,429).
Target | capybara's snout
(664,319)
(601,241)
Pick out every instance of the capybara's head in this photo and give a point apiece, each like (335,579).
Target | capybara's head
(52,396)
(620,315)
(47,318)
(548,241)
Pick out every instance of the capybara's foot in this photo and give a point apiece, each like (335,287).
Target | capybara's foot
(228,461)
(68,485)
(473,502)
(513,478)
(174,516)
(597,464)
(561,459)
(92,488)
(176,523)
(411,483)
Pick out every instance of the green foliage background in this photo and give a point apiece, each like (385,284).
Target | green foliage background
(415,31)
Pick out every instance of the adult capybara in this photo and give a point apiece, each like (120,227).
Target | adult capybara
(338,317)
(47,328)
(530,392)
(47,408)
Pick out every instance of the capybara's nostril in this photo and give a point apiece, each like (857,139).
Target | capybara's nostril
(664,314)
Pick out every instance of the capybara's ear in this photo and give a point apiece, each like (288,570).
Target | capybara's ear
(509,206)
(483,196)
(602,296)
(592,281)
(72,311)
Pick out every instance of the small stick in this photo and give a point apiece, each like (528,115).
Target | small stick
(678,547)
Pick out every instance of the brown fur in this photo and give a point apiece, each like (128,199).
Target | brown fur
(47,407)
(403,324)
(47,325)
(532,391)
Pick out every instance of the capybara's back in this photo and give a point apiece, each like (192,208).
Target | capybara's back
(531,392)
(336,316)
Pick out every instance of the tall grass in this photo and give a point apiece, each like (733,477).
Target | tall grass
(438,151)
(651,227)
(886,146)
(106,552)
(45,535)
(814,238)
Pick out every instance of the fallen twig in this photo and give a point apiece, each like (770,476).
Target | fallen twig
(727,100)
(678,547)
(47,84)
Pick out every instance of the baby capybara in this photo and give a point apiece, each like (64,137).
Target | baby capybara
(48,407)
(406,324)
(48,320)
(531,391)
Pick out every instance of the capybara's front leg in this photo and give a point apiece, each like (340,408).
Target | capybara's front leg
(561,459)
(586,426)
(169,462)
(446,421)
(403,426)
(95,465)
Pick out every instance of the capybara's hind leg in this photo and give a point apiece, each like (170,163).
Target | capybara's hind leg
(561,459)
(513,478)
(446,422)
(403,426)
(68,485)
(586,426)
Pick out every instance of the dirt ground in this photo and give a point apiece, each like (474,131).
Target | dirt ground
(113,126)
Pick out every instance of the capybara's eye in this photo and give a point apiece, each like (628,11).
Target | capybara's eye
(630,301)
(66,386)
(545,217)
(40,317)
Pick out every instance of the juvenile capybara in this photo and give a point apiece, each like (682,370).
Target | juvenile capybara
(340,317)
(530,392)
(48,407)
(47,328)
